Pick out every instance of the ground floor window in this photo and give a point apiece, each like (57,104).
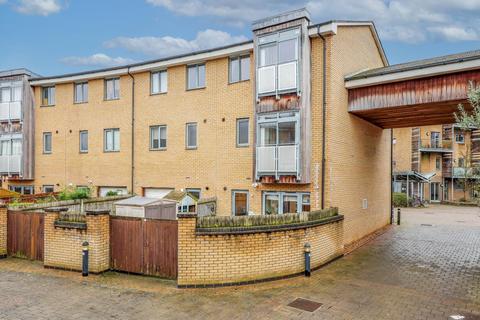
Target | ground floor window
(285,202)
(47,189)
(21,189)
(240,202)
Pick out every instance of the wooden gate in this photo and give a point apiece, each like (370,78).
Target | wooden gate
(144,246)
(25,234)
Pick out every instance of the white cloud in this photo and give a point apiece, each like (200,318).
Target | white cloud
(38,7)
(403,20)
(168,46)
(98,59)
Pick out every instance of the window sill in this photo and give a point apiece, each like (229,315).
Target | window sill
(111,151)
(191,148)
(113,99)
(158,149)
(239,81)
(47,105)
(193,89)
(83,152)
(83,102)
(46,153)
(243,145)
(158,93)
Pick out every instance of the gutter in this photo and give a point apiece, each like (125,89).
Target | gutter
(324,112)
(133,130)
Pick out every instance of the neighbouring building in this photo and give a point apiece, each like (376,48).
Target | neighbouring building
(17,130)
(261,126)
(432,163)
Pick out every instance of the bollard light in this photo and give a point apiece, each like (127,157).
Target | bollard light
(306,250)
(85,259)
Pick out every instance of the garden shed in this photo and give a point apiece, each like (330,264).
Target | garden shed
(185,201)
(149,208)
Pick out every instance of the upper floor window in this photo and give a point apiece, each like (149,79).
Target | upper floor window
(112,89)
(158,137)
(112,140)
(48,96)
(459,137)
(11,93)
(158,82)
(239,69)
(438,163)
(11,147)
(83,141)
(191,136)
(242,132)
(81,92)
(278,62)
(47,142)
(196,76)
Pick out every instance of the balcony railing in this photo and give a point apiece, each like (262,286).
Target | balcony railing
(10,110)
(469,173)
(10,164)
(278,160)
(435,145)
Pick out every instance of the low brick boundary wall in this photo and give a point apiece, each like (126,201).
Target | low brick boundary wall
(3,231)
(63,244)
(208,258)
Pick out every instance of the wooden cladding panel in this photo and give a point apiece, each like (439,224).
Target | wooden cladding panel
(415,147)
(475,147)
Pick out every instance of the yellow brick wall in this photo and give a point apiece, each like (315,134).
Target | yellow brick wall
(215,259)
(63,247)
(402,149)
(3,231)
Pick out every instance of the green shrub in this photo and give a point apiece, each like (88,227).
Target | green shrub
(399,199)
(112,193)
(74,193)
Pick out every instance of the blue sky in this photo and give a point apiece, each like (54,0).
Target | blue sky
(61,36)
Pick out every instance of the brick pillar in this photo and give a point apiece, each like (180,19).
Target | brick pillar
(50,258)
(98,230)
(3,231)
(186,243)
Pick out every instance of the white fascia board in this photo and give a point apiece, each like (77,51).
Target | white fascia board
(200,57)
(237,50)
(413,74)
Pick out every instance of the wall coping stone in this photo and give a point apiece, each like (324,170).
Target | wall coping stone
(267,228)
(70,225)
(55,209)
(97,212)
(186,215)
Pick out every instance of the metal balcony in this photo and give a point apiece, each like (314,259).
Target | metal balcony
(10,111)
(429,145)
(10,164)
(277,160)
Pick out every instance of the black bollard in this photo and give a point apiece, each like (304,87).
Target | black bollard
(85,259)
(399,213)
(307,259)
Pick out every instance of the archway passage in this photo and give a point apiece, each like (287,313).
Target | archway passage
(419,93)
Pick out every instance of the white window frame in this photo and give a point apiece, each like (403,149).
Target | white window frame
(84,86)
(80,133)
(45,186)
(187,146)
(115,80)
(49,99)
(245,144)
(238,60)
(194,190)
(113,130)
(281,195)
(462,140)
(234,193)
(160,128)
(197,75)
(45,134)
(160,82)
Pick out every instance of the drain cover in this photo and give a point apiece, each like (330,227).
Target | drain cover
(305,304)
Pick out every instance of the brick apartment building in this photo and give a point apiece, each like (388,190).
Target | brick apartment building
(432,162)
(261,126)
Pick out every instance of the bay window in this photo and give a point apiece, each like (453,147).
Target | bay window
(277,67)
(285,202)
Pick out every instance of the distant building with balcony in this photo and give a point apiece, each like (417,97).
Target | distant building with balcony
(16,128)
(431,163)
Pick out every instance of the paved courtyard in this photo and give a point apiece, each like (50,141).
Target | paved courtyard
(428,268)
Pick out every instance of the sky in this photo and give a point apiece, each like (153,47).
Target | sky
(53,37)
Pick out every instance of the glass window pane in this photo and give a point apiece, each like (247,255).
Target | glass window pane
(17,93)
(83,141)
(117,88)
(85,92)
(242,132)
(240,205)
(306,203)
(163,81)
(78,92)
(192,77)
(154,143)
(109,93)
(108,140)
(268,134)
(116,140)
(163,137)
(245,68)
(289,203)
(192,135)
(47,142)
(51,95)
(271,204)
(201,76)
(5,148)
(16,147)
(286,133)
(268,55)
(156,82)
(234,70)
(287,51)
(5,94)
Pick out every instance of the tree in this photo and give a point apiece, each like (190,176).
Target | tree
(467,172)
